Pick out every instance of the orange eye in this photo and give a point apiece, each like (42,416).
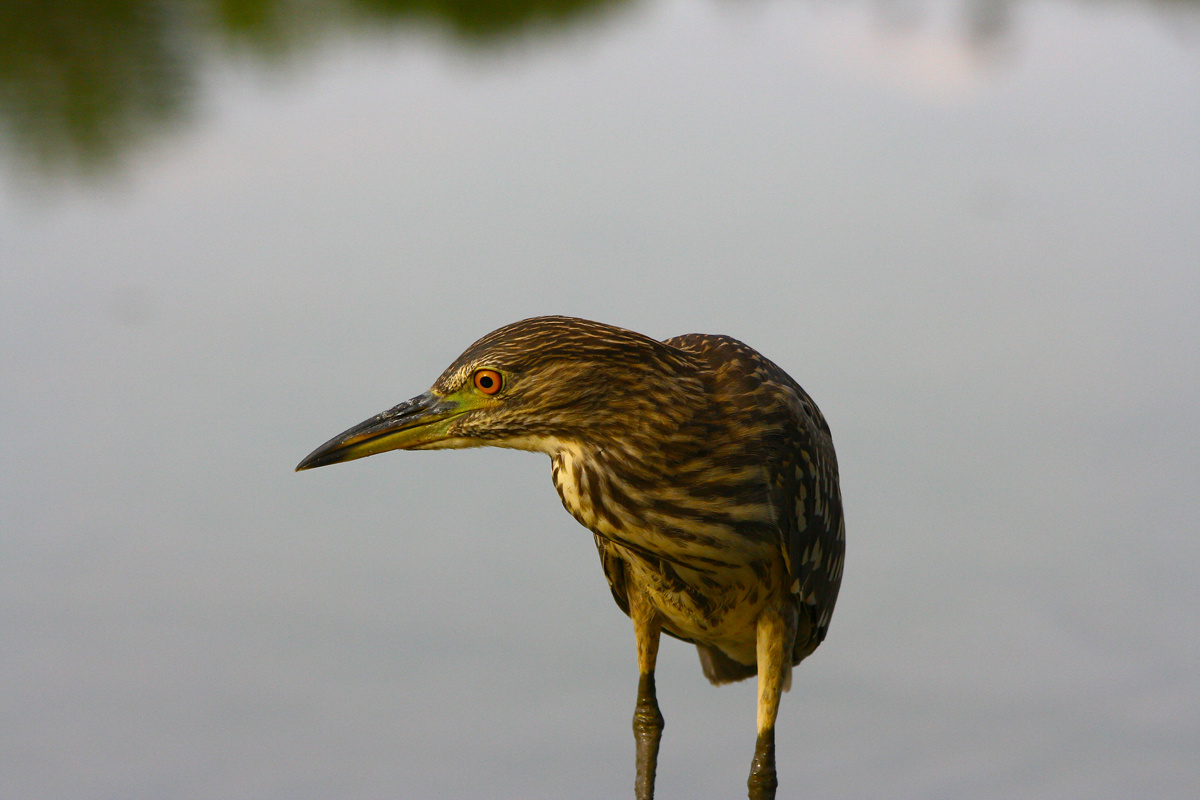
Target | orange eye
(488,381)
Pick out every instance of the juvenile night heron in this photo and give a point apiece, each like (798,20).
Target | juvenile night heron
(706,475)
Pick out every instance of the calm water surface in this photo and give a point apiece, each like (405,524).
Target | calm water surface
(971,231)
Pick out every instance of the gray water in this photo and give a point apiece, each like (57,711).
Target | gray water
(972,232)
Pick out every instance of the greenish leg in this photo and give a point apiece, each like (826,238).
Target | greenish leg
(647,732)
(775,636)
(647,719)
(763,780)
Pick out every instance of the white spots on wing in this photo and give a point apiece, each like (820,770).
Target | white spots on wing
(812,553)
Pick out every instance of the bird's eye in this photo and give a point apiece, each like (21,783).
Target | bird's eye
(488,381)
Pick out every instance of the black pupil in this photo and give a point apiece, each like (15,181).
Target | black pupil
(485,381)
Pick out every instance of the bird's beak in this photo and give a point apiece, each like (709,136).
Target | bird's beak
(416,423)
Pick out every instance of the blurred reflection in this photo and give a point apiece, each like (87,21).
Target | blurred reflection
(81,81)
(270,24)
(84,81)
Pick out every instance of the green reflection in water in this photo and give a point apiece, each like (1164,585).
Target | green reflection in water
(84,81)
(79,80)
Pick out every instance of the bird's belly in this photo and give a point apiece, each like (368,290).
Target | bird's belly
(721,611)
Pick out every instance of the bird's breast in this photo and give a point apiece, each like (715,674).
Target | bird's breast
(665,517)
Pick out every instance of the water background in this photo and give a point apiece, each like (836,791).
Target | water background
(970,230)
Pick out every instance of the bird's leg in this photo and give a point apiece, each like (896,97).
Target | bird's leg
(775,634)
(647,719)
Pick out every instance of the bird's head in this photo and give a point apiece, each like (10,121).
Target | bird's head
(535,385)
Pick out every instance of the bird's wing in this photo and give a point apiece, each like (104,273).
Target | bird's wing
(797,450)
(808,500)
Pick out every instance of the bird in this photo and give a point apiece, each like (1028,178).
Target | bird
(706,475)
